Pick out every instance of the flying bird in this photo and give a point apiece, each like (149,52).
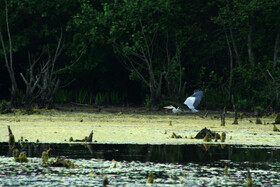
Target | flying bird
(192,102)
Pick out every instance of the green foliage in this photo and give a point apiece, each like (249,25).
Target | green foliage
(88,97)
(253,87)
(148,101)
(150,42)
(112,98)
(6,103)
(170,47)
(78,96)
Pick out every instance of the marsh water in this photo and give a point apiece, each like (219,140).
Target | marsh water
(130,164)
(129,144)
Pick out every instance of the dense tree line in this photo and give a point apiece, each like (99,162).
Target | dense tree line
(140,52)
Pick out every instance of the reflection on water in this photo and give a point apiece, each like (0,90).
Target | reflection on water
(192,165)
(151,153)
(91,173)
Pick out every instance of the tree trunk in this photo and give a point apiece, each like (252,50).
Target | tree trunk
(250,50)
(230,59)
(9,61)
(234,47)
(155,87)
(276,47)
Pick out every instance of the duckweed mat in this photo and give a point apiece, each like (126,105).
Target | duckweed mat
(133,126)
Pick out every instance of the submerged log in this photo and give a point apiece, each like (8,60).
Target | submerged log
(86,139)
(89,138)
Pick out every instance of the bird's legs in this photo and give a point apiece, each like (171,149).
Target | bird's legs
(199,115)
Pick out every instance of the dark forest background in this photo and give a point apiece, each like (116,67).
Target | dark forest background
(140,52)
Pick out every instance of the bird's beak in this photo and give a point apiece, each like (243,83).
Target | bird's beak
(165,107)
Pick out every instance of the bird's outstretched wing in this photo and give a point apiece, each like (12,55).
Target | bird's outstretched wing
(198,96)
(194,100)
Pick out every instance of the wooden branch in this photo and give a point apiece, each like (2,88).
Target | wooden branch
(230,57)
(9,62)
(58,49)
(9,37)
(5,52)
(72,63)
(234,46)
(275,85)
(24,79)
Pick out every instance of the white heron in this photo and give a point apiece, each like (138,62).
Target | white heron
(174,109)
(192,102)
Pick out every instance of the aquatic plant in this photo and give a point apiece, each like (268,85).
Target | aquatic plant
(215,117)
(20,142)
(91,173)
(150,178)
(11,141)
(235,122)
(207,138)
(275,128)
(249,181)
(45,156)
(115,163)
(223,123)
(226,170)
(21,158)
(105,181)
(170,123)
(175,135)
(15,152)
(258,121)
(241,115)
(217,136)
(61,162)
(101,173)
(223,137)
